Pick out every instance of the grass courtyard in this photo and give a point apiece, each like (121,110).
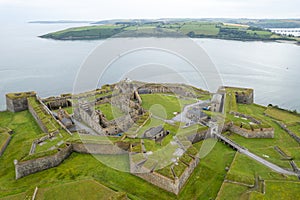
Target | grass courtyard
(163,105)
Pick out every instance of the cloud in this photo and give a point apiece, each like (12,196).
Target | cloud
(99,9)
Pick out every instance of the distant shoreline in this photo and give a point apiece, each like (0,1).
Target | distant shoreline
(161,29)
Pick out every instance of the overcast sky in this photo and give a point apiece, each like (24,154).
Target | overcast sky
(24,10)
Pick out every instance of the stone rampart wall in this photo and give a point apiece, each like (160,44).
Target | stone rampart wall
(16,105)
(291,133)
(252,119)
(5,145)
(163,182)
(159,180)
(32,166)
(244,98)
(165,88)
(36,165)
(106,149)
(256,133)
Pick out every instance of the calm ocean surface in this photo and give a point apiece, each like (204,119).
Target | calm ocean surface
(49,67)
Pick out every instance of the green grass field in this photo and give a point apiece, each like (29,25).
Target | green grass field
(244,170)
(84,189)
(163,105)
(200,29)
(282,115)
(207,179)
(278,190)
(233,192)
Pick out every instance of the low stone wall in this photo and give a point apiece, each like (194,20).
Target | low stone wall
(256,133)
(32,166)
(252,119)
(160,181)
(293,135)
(106,149)
(5,145)
(36,142)
(163,182)
(36,165)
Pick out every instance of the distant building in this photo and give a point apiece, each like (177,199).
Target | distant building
(242,95)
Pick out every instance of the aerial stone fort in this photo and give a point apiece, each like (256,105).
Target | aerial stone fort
(81,123)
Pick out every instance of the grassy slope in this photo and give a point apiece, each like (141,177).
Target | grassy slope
(244,170)
(207,179)
(232,192)
(282,115)
(3,138)
(86,32)
(295,128)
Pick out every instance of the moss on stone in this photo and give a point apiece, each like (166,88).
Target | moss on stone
(19,95)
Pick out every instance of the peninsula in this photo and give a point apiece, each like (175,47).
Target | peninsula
(243,30)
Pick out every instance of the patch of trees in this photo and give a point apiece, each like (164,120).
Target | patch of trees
(229,33)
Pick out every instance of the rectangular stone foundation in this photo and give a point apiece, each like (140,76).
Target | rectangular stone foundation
(168,184)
